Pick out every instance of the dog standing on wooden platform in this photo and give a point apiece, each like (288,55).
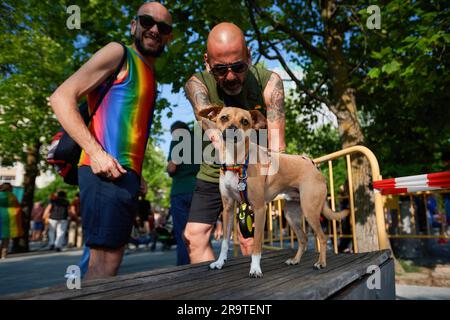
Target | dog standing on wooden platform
(292,172)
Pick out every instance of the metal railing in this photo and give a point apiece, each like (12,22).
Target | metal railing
(275,237)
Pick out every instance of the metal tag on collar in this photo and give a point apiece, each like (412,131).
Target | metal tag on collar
(241,186)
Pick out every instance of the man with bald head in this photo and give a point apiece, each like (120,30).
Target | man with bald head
(230,79)
(113,143)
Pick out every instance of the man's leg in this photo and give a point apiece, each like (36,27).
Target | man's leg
(205,208)
(52,232)
(71,234)
(245,244)
(197,237)
(4,248)
(61,230)
(104,262)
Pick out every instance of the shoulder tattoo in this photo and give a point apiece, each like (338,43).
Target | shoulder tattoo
(197,94)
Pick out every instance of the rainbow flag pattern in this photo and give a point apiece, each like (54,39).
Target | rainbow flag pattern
(122,122)
(10,216)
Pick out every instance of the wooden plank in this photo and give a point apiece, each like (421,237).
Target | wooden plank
(326,282)
(283,274)
(232,282)
(295,276)
(201,279)
(282,271)
(94,287)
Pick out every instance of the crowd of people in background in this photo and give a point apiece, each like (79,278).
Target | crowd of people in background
(55,225)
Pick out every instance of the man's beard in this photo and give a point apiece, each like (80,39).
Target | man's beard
(232,91)
(152,52)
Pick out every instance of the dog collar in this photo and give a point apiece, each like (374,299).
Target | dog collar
(242,184)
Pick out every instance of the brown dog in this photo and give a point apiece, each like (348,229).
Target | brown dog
(268,175)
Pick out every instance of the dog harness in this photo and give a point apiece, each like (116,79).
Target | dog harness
(245,215)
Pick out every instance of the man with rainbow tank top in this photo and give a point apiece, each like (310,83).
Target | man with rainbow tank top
(229,80)
(114,144)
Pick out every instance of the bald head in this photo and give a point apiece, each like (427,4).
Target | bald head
(226,46)
(226,39)
(156,10)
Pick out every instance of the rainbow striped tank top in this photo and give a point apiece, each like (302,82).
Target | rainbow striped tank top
(10,216)
(122,122)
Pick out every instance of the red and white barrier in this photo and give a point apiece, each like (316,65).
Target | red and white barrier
(421,182)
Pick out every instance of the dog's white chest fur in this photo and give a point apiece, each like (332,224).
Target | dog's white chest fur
(229,185)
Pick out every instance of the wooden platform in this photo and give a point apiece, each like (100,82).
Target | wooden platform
(343,272)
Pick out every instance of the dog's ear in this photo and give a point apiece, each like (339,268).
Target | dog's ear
(211,112)
(259,121)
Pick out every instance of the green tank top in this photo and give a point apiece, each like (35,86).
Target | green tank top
(250,98)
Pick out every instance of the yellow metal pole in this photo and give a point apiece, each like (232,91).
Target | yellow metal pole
(413,213)
(235,231)
(333,206)
(382,235)
(292,237)
(352,202)
(270,224)
(317,245)
(280,222)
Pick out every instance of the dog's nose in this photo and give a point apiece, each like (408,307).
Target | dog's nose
(236,134)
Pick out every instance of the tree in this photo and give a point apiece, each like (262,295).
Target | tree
(154,173)
(403,92)
(38,53)
(33,63)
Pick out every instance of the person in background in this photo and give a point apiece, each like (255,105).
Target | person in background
(37,219)
(183,184)
(75,230)
(10,218)
(57,211)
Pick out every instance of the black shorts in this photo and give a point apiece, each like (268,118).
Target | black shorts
(206,203)
(107,208)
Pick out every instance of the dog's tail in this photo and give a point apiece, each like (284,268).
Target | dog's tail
(331,215)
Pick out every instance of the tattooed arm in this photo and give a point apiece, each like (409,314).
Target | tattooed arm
(276,121)
(197,94)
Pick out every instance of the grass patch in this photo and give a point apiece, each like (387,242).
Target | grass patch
(409,266)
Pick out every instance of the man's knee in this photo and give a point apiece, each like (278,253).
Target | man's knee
(197,234)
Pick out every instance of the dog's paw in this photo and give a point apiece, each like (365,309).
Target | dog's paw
(291,262)
(255,273)
(318,266)
(217,264)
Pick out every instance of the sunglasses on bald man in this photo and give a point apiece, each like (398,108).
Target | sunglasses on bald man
(148,22)
(219,70)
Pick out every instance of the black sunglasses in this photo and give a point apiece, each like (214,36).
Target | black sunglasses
(147,22)
(219,70)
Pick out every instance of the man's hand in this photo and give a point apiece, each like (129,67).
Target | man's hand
(105,165)
(171,168)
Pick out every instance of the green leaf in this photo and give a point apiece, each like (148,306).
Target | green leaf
(374,73)
(391,67)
